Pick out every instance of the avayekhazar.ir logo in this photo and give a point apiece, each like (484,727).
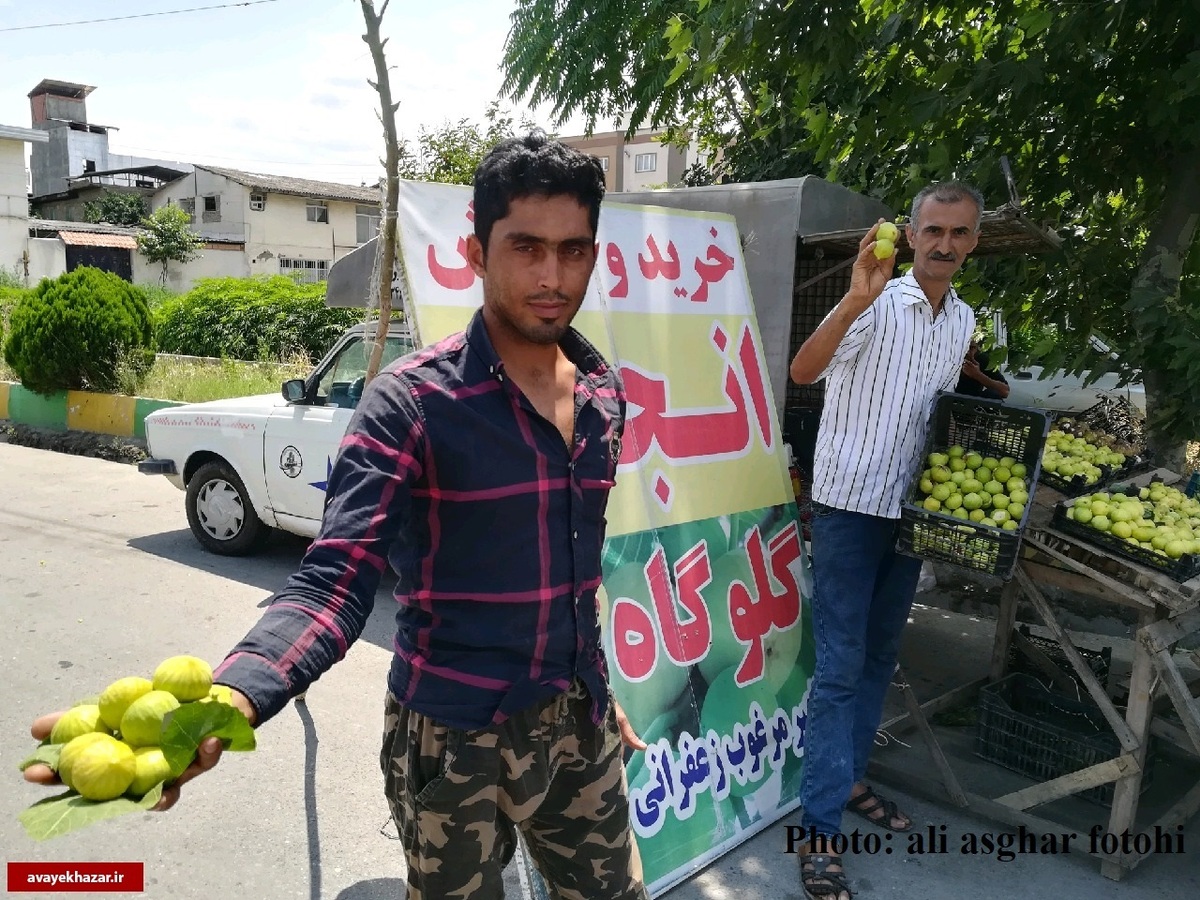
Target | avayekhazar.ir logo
(62,877)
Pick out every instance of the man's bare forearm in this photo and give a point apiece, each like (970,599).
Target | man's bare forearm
(868,277)
(816,352)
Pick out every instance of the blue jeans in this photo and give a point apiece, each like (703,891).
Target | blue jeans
(862,593)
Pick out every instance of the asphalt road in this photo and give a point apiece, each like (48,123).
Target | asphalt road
(99,578)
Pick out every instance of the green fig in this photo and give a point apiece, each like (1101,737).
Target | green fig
(187,677)
(141,726)
(71,750)
(76,721)
(103,770)
(152,769)
(117,696)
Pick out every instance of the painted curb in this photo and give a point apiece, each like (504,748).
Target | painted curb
(113,414)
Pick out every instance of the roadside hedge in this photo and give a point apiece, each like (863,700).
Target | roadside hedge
(85,330)
(262,318)
(8,299)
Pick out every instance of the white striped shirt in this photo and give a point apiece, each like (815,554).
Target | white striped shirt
(882,383)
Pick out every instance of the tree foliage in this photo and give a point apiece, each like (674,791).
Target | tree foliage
(167,236)
(450,153)
(85,330)
(1093,103)
(116,208)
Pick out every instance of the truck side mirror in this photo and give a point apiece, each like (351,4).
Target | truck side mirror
(293,390)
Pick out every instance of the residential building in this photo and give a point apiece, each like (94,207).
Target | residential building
(289,226)
(252,224)
(14,196)
(637,163)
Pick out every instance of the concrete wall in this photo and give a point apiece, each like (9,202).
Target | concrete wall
(14,206)
(63,157)
(234,203)
(213,262)
(47,259)
(283,229)
(48,162)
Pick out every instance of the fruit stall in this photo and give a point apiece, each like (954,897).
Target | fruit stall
(1096,521)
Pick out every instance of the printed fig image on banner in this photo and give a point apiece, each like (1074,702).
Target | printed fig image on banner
(704,604)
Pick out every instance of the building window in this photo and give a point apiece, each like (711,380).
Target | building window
(212,208)
(318,211)
(603,160)
(645,162)
(188,205)
(367,220)
(305,271)
(89,165)
(258,202)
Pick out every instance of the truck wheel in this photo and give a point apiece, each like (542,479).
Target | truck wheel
(220,512)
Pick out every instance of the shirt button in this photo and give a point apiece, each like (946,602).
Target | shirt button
(575,535)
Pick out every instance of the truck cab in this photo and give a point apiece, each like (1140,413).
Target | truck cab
(250,464)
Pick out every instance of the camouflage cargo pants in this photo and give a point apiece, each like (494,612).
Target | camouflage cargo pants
(458,796)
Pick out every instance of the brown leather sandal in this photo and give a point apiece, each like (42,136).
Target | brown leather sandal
(868,804)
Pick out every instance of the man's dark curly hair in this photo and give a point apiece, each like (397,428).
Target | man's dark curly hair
(534,166)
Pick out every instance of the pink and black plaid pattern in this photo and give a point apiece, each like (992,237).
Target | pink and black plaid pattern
(494,526)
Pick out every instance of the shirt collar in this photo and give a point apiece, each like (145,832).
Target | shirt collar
(578,349)
(911,292)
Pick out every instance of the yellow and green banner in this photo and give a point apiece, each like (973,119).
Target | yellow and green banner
(706,577)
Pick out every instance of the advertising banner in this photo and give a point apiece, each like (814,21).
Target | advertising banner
(706,577)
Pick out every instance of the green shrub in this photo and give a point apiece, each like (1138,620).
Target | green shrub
(11,290)
(8,299)
(262,318)
(85,330)
(156,295)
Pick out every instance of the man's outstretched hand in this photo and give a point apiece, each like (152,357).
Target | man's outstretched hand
(207,755)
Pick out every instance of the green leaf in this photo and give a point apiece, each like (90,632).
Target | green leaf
(187,726)
(46,753)
(56,816)
(680,67)
(1036,21)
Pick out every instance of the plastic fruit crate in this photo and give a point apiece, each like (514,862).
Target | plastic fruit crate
(989,428)
(1075,485)
(1115,417)
(1181,569)
(1099,661)
(1026,727)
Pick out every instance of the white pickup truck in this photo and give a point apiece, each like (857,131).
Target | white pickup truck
(250,464)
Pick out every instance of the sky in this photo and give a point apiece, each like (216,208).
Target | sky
(277,86)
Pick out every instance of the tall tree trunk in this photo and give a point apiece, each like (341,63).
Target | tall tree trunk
(1157,283)
(386,253)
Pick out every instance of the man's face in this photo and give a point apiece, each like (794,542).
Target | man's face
(539,259)
(944,235)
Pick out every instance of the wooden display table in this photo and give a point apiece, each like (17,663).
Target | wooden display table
(1167,612)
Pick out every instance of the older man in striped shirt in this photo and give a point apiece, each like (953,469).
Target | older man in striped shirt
(885,350)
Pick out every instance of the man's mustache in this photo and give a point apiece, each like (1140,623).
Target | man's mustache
(550,295)
(943,257)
